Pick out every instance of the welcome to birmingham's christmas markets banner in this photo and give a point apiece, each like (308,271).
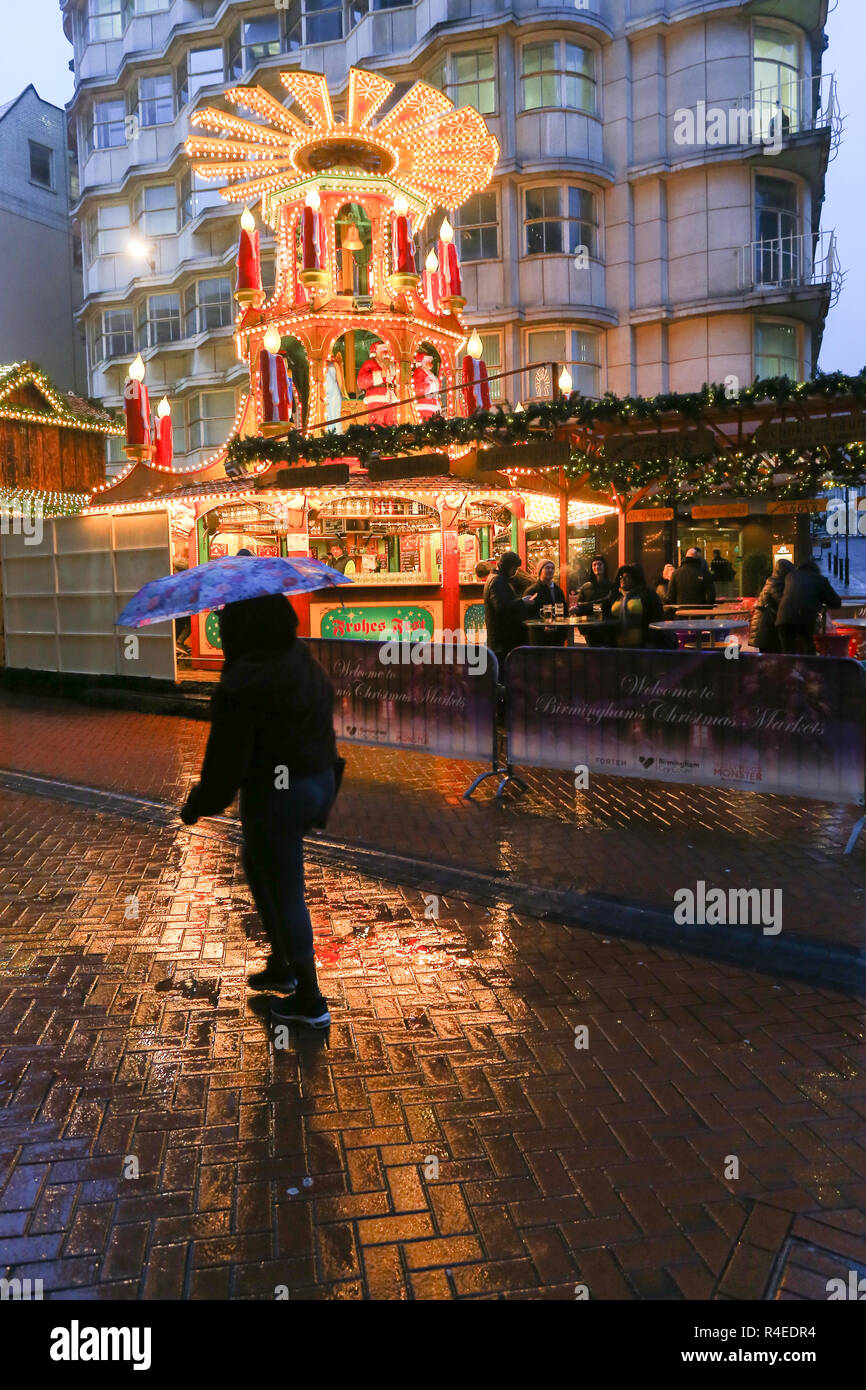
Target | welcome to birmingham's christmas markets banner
(760,723)
(431,706)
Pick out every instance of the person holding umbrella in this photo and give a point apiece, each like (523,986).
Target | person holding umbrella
(271,739)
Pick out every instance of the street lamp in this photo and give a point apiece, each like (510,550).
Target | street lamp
(140,251)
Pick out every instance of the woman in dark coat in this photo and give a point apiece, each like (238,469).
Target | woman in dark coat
(763,632)
(272,739)
(635,606)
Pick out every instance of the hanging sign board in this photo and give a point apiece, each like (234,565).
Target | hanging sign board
(648,447)
(797,508)
(802,434)
(720,509)
(650,514)
(547,453)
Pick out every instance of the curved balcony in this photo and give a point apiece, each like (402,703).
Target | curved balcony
(791,267)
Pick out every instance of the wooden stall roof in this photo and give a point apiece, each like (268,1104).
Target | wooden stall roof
(27,394)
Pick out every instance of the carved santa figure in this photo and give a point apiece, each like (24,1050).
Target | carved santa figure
(377,380)
(425,386)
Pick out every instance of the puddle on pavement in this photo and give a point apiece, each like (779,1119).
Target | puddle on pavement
(188,987)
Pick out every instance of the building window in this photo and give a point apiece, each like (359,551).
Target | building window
(558,74)
(107,19)
(208,305)
(200,67)
(324,20)
(41,165)
(116,338)
(778,250)
(196,194)
(107,128)
(560,220)
(478,229)
(108,231)
(156,210)
(570,347)
(777,79)
(491,344)
(776,350)
(152,6)
(469,79)
(159,320)
(251,42)
(156,100)
(269,276)
(211,416)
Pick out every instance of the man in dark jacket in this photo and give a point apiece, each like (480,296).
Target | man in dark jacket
(692,584)
(806,589)
(272,739)
(505,613)
(598,587)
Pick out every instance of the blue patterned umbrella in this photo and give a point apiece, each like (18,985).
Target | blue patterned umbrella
(227,580)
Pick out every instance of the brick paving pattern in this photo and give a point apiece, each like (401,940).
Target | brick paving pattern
(155,1143)
(626,840)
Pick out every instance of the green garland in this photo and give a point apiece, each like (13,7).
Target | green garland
(730,473)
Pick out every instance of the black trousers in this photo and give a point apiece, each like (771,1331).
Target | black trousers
(796,639)
(274,822)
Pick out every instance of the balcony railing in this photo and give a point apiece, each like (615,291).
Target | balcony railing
(785,109)
(791,263)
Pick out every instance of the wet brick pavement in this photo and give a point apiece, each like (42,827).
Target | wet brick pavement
(631,841)
(128,1044)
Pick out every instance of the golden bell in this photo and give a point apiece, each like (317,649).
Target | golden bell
(351,239)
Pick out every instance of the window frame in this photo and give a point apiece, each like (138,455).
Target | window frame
(198,308)
(106,335)
(564,219)
(795,115)
(182,76)
(154,101)
(51,185)
(488,336)
(148,320)
(570,358)
(194,421)
(795,328)
(461,228)
(141,211)
(560,72)
(237,74)
(93,125)
(119,9)
(451,87)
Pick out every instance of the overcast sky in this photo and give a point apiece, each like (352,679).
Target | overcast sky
(35,50)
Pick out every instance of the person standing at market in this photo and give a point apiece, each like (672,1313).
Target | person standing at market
(504,611)
(634,608)
(272,739)
(806,589)
(597,588)
(763,632)
(691,585)
(547,594)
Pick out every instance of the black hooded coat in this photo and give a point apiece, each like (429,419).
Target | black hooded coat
(273,707)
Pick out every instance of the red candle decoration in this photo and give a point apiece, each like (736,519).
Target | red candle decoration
(404,274)
(476,390)
(249,289)
(450,280)
(313,271)
(164,435)
(136,408)
(275,392)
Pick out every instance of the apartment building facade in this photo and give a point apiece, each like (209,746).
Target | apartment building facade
(40,265)
(654,220)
